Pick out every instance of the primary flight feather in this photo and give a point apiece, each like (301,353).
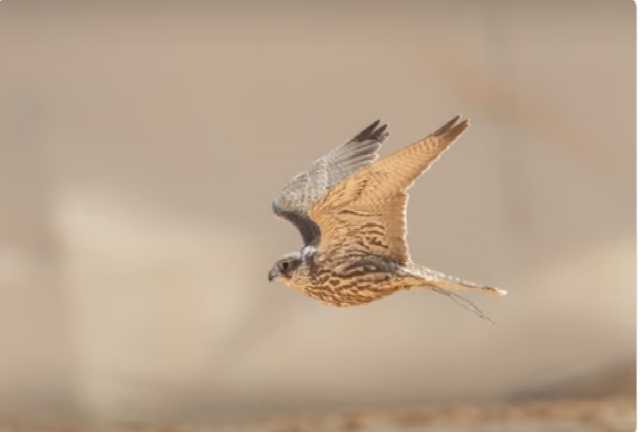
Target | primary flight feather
(350,209)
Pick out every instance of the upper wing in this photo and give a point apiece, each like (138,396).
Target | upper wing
(366,211)
(301,193)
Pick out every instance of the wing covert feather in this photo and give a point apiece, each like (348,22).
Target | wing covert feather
(371,204)
(300,194)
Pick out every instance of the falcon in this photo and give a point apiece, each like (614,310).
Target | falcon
(350,209)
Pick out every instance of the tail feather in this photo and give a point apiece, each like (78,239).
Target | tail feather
(446,282)
(453,283)
(451,286)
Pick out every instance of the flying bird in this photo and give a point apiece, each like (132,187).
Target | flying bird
(350,209)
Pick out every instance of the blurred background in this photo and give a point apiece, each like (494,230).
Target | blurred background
(141,146)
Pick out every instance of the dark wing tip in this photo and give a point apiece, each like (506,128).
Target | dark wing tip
(374,131)
(453,128)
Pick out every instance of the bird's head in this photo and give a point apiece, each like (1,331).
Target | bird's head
(285,266)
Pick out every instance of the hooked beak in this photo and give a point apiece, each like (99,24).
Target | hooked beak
(272,275)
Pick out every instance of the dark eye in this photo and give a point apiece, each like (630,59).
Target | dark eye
(284,265)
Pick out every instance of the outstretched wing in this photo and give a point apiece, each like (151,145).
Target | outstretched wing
(301,193)
(366,212)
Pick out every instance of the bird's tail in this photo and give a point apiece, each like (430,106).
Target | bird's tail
(450,286)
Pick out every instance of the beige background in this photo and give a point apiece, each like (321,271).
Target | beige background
(141,144)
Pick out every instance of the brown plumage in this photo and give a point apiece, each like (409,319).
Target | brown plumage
(351,212)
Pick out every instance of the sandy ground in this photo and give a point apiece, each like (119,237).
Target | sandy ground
(610,415)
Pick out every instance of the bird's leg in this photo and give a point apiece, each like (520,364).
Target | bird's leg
(464,302)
